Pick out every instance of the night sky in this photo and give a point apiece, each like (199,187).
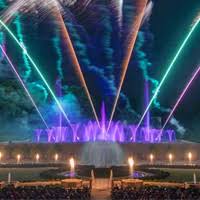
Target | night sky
(100,44)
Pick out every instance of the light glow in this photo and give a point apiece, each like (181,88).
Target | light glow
(56,157)
(170,156)
(151,158)
(131,162)
(18,158)
(37,157)
(190,157)
(72,163)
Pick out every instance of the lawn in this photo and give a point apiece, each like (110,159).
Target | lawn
(22,174)
(181,175)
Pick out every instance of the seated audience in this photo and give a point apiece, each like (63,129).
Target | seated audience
(154,193)
(47,192)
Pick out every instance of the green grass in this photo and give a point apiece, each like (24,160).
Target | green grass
(22,174)
(33,174)
(181,175)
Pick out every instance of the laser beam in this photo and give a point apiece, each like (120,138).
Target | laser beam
(181,97)
(37,69)
(168,70)
(23,85)
(76,63)
(135,28)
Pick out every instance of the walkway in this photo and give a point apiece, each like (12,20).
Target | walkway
(101,189)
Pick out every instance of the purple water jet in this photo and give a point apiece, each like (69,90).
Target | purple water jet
(91,132)
(146,102)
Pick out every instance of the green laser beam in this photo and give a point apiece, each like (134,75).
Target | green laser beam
(168,71)
(37,69)
(23,85)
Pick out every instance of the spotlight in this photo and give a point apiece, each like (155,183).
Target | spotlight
(190,157)
(72,163)
(18,158)
(170,156)
(131,162)
(37,157)
(151,157)
(72,167)
(1,155)
(56,157)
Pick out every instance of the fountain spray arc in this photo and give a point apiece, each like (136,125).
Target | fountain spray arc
(23,85)
(135,28)
(38,71)
(181,97)
(168,71)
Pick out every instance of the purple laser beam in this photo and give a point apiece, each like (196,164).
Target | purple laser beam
(181,96)
(23,85)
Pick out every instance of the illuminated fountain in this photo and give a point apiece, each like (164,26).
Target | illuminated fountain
(95,131)
(102,154)
(91,132)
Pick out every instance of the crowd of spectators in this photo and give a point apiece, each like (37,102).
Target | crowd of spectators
(154,193)
(41,192)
